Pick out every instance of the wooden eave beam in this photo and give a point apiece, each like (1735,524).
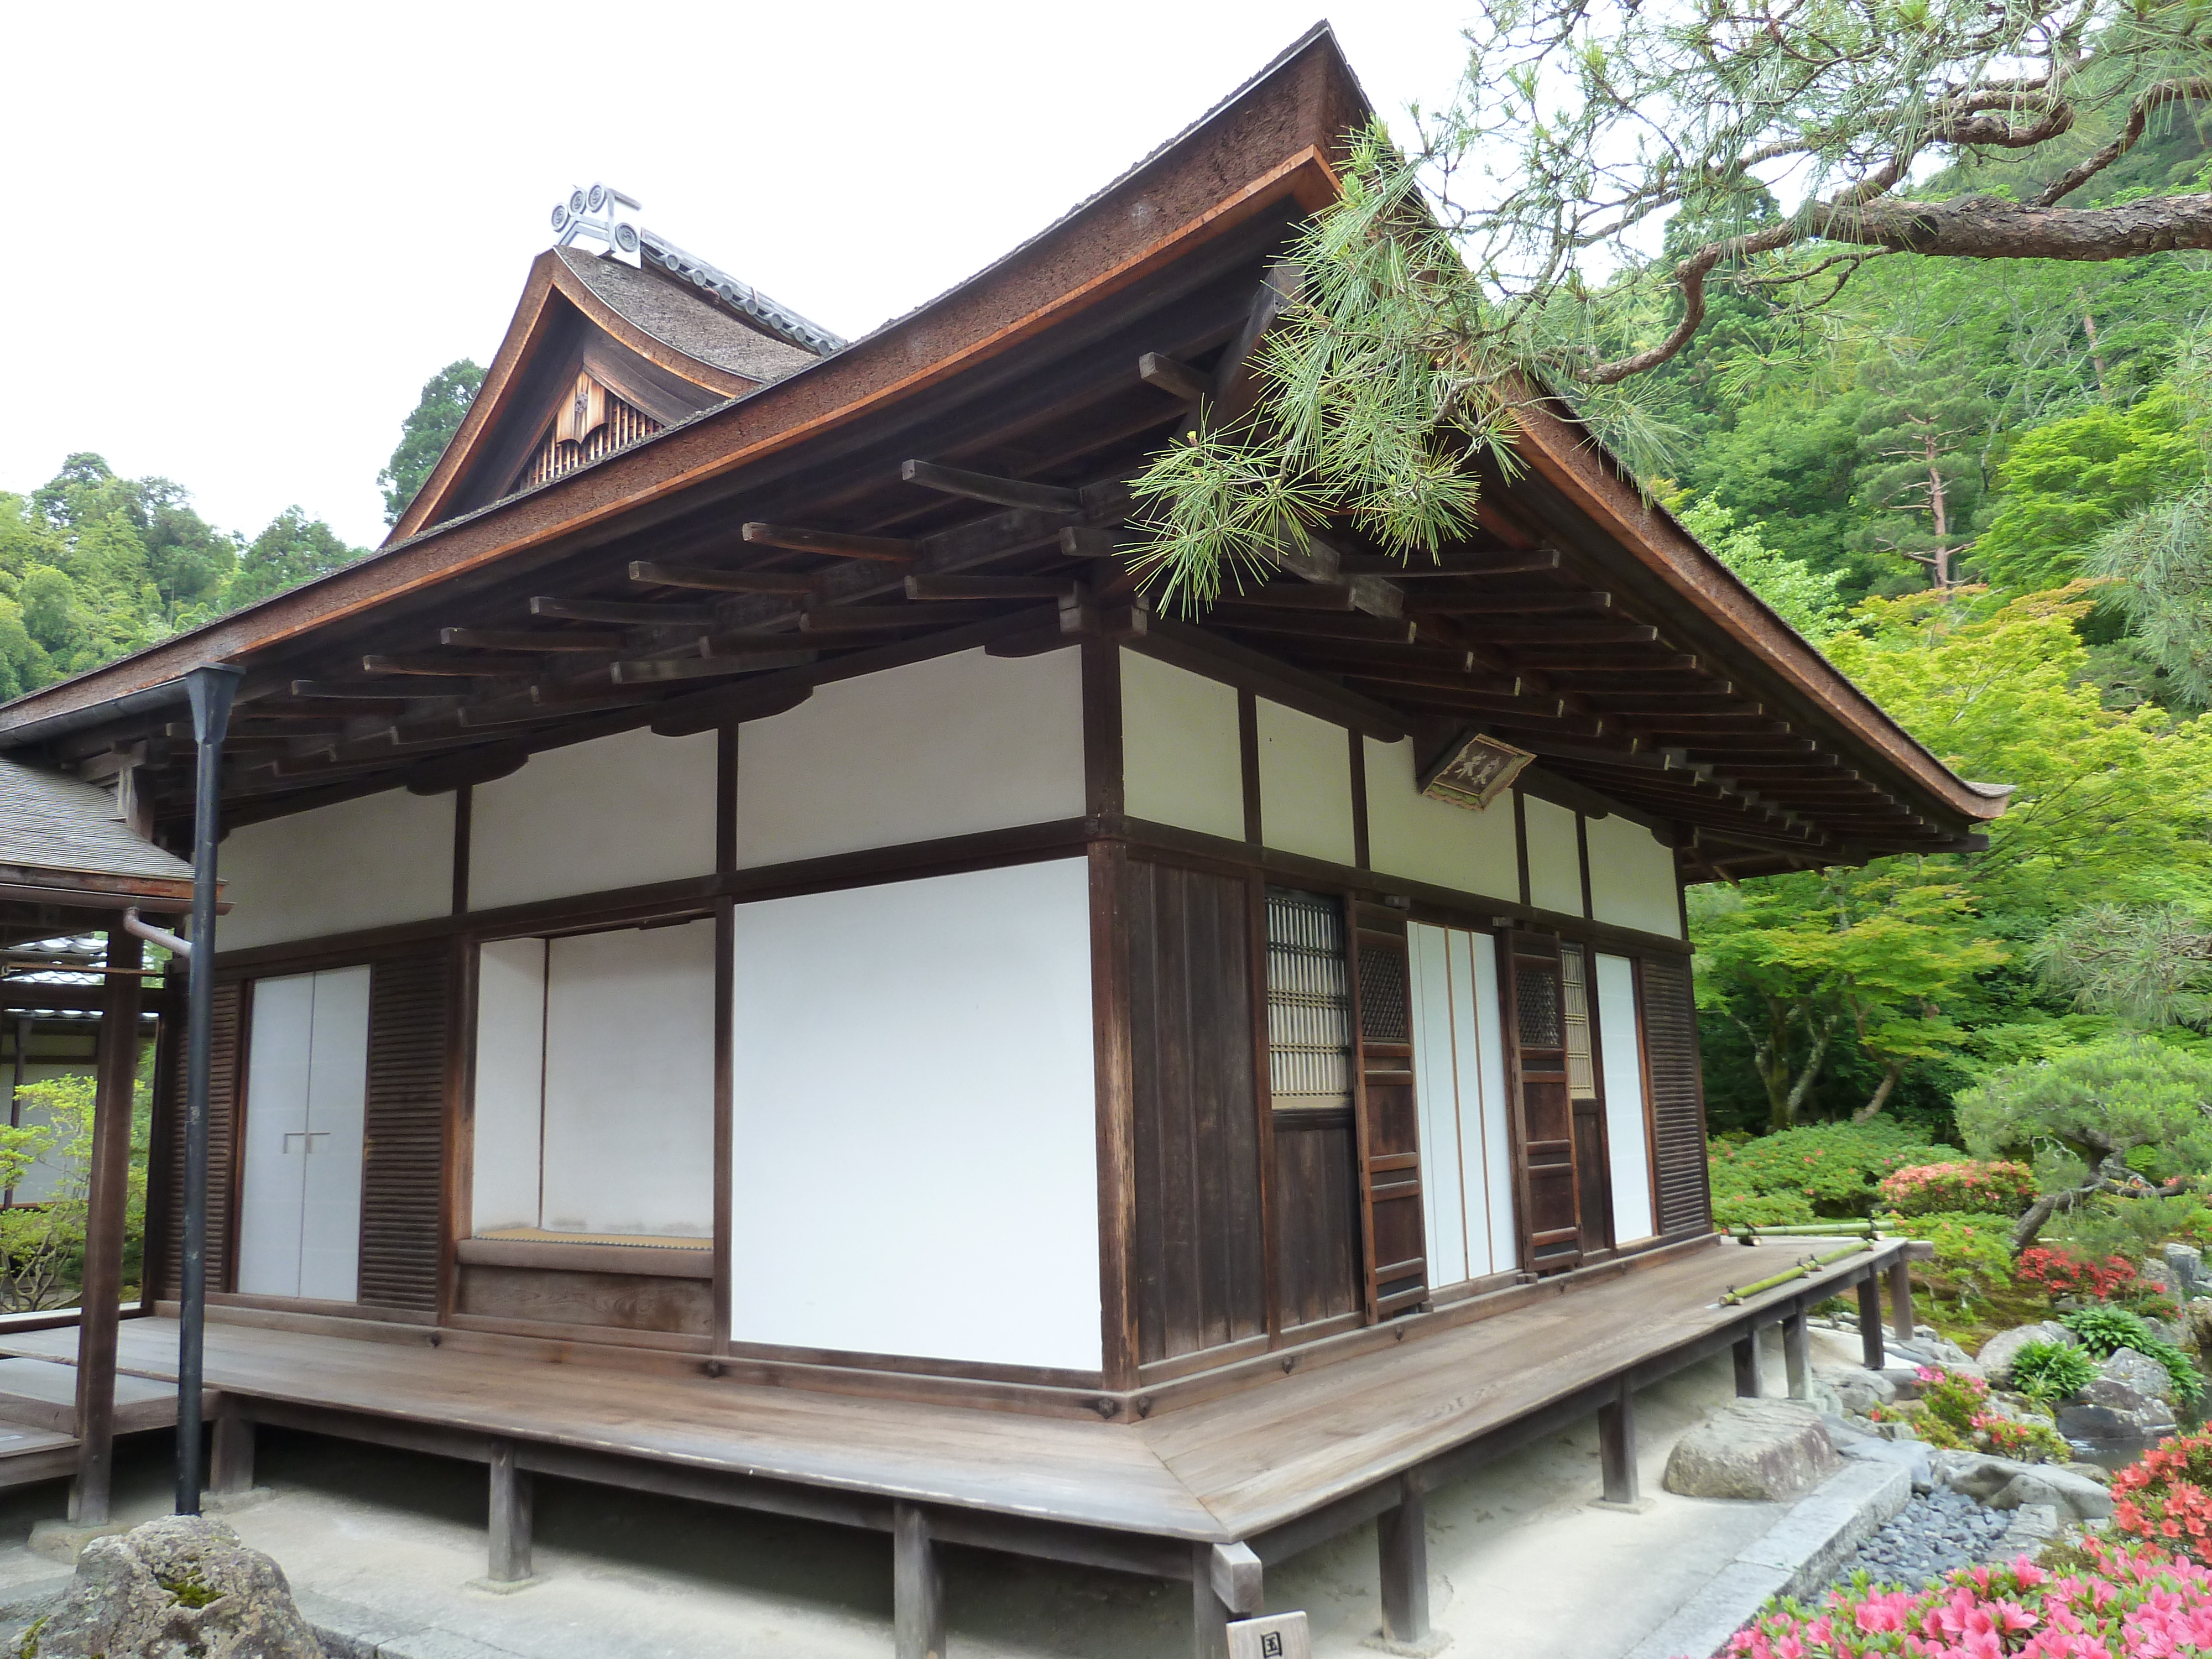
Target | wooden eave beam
(871,619)
(722,582)
(835,544)
(444,668)
(625,612)
(943,588)
(531,640)
(983,487)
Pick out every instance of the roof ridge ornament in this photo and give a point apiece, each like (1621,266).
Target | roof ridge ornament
(593,213)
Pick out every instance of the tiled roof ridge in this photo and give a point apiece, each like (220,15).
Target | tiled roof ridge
(780,320)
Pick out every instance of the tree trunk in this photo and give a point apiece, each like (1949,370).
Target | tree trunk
(1785,1117)
(1880,1099)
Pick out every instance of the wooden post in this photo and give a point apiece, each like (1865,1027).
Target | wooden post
(1401,1539)
(230,1471)
(1746,1365)
(1616,1446)
(510,1517)
(1797,1354)
(1871,1348)
(917,1586)
(108,1200)
(1226,1580)
(1900,1299)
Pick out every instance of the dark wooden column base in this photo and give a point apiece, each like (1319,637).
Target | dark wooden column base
(1797,1354)
(1900,1299)
(1616,1443)
(1401,1539)
(510,1517)
(917,1586)
(1870,1345)
(230,1472)
(1747,1366)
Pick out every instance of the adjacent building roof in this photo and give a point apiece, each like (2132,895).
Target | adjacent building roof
(60,840)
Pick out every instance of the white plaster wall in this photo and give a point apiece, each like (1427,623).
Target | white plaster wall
(616,811)
(1305,784)
(1555,857)
(947,747)
(1627,1145)
(1632,878)
(1432,840)
(916,1163)
(1181,760)
(510,1082)
(369,862)
(629,1082)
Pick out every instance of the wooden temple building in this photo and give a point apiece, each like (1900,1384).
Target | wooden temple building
(760,966)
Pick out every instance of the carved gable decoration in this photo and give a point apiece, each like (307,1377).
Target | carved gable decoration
(591,421)
(1477,773)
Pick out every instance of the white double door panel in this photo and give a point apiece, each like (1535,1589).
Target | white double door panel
(1628,1143)
(1458,1085)
(306,1093)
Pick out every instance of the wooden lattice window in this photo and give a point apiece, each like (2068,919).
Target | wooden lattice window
(592,423)
(1308,1003)
(1574,992)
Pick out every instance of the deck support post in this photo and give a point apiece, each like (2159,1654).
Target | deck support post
(1226,1583)
(510,1517)
(1797,1354)
(1747,1364)
(115,1072)
(230,1471)
(1900,1299)
(1401,1539)
(1871,1348)
(917,1586)
(1616,1447)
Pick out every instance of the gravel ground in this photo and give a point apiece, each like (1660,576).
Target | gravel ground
(1929,1537)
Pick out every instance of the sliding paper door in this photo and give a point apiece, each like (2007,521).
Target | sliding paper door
(1460,1065)
(305,1097)
(1628,1142)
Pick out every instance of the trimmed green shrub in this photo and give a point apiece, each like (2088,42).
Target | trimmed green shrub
(1973,1252)
(1833,1171)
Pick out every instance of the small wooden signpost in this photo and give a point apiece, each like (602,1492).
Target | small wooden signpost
(1277,1636)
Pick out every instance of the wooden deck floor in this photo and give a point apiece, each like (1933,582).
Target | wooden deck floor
(1224,1470)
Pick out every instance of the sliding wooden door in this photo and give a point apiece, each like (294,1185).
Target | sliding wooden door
(1543,1114)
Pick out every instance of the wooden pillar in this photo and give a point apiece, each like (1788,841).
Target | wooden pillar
(107,1200)
(917,1586)
(1401,1539)
(510,1517)
(1746,1365)
(1616,1446)
(1871,1348)
(1226,1582)
(1900,1299)
(1797,1354)
(230,1472)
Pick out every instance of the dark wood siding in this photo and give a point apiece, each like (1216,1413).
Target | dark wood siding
(1200,1265)
(1316,1215)
(1396,1234)
(402,1169)
(167,1153)
(1678,1101)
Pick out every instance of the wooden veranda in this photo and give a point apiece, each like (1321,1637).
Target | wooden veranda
(1210,1493)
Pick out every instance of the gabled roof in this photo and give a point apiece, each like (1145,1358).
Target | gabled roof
(797,531)
(672,336)
(60,839)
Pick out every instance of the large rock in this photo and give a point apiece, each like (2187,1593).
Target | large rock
(2111,1411)
(2196,1321)
(2185,1265)
(1997,1355)
(2138,1371)
(1857,1389)
(1980,1475)
(181,1588)
(2074,1496)
(1757,1449)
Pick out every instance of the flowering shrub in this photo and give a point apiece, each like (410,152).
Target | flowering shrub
(1832,1170)
(1968,1184)
(2165,1496)
(2127,1602)
(1973,1252)
(2061,1272)
(1954,1415)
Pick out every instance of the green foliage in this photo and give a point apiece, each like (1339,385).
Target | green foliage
(1802,596)
(1832,1170)
(2132,1227)
(1973,1256)
(2099,1101)
(423,435)
(1954,1413)
(2105,1330)
(293,549)
(2052,1371)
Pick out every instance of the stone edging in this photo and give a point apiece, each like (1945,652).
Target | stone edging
(1799,1554)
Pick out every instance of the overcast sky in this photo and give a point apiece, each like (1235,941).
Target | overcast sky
(246,235)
